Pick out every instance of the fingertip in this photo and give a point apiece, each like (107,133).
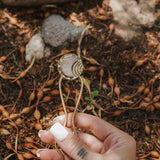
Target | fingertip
(46,136)
(59,119)
(42,133)
(46,154)
(40,151)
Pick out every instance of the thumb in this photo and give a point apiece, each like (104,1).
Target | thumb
(71,144)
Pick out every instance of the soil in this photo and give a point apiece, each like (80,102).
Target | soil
(139,115)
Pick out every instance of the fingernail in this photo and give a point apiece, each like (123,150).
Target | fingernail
(40,150)
(59,118)
(59,131)
(42,132)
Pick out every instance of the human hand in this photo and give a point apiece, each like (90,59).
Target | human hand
(107,141)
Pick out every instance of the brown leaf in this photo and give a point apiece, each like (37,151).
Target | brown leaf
(91,60)
(4,131)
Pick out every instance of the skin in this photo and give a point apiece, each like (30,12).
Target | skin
(106,143)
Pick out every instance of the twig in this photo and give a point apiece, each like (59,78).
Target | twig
(63,52)
(80,40)
(23,73)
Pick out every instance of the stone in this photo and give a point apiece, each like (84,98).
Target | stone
(130,15)
(58,32)
(35,47)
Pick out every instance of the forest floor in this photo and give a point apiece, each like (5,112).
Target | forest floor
(126,74)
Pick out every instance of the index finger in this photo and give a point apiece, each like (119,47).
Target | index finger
(100,128)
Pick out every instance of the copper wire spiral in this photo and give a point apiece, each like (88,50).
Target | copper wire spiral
(70,66)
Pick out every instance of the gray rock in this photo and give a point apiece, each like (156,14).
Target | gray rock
(57,32)
(26,3)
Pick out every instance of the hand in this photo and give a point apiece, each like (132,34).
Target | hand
(107,142)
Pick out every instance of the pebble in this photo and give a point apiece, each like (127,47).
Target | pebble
(58,32)
(35,47)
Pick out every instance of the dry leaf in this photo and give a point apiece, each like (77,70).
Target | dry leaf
(126,101)
(4,131)
(87,83)
(91,60)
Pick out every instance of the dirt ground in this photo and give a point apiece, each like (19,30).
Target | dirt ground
(129,88)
